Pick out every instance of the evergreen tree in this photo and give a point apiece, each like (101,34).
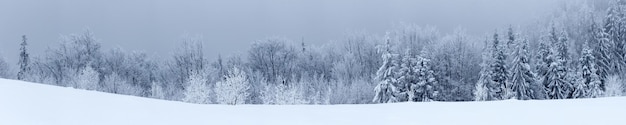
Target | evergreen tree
(24,60)
(557,87)
(589,83)
(580,90)
(407,77)
(499,70)
(482,93)
(557,78)
(543,62)
(522,78)
(511,44)
(602,52)
(386,90)
(615,28)
(511,38)
(424,89)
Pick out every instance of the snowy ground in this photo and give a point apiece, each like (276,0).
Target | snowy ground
(23,103)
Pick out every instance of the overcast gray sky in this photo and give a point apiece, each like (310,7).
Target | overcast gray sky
(227,26)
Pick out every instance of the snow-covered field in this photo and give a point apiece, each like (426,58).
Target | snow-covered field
(23,103)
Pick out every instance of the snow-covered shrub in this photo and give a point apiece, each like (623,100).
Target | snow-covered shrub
(88,79)
(317,90)
(197,91)
(233,89)
(481,92)
(614,86)
(129,89)
(356,92)
(283,94)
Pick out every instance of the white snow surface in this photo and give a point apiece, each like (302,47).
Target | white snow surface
(24,103)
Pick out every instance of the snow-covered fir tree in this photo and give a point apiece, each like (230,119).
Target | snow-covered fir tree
(557,87)
(580,90)
(556,84)
(511,43)
(615,28)
(197,91)
(542,61)
(407,77)
(499,70)
(233,89)
(557,80)
(386,89)
(602,52)
(24,60)
(589,80)
(522,78)
(482,93)
(424,88)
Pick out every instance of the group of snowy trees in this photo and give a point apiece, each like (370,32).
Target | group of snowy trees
(576,57)
(557,74)
(406,78)
(502,78)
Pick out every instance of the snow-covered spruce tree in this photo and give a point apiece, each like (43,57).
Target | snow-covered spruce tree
(589,80)
(522,78)
(557,87)
(197,90)
(615,28)
(424,88)
(88,79)
(542,61)
(499,71)
(407,77)
(482,92)
(580,89)
(386,89)
(557,80)
(233,89)
(602,52)
(511,42)
(24,60)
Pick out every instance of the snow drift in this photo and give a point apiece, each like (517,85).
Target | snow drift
(24,103)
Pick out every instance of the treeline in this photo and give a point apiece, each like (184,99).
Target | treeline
(579,55)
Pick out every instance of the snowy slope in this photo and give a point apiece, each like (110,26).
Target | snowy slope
(23,103)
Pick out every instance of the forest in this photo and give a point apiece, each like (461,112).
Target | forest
(578,51)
